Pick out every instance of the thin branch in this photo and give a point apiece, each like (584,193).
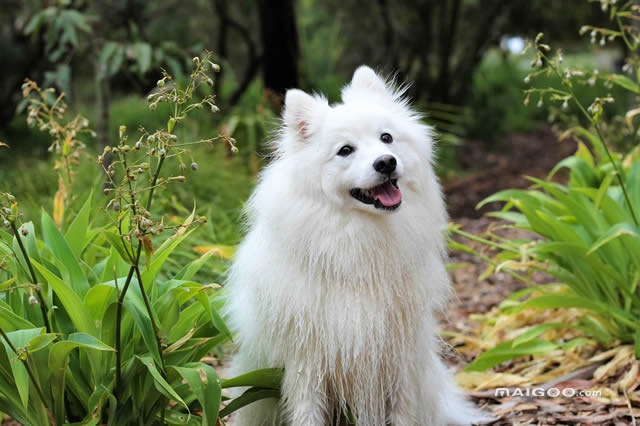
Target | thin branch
(43,306)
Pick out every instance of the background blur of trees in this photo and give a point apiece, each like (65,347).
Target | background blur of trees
(96,50)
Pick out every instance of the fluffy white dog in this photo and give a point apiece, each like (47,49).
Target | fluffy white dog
(342,270)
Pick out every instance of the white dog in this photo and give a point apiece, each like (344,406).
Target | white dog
(342,270)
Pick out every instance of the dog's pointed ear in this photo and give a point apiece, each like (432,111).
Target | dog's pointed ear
(367,79)
(301,112)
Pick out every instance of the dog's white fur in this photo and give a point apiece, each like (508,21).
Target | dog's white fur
(339,293)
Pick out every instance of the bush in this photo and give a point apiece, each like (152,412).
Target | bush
(96,328)
(589,226)
(495,107)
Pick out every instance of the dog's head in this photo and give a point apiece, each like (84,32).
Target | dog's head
(363,153)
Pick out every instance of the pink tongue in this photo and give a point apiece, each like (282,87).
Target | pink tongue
(387,194)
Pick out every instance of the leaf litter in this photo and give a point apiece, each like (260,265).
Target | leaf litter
(608,374)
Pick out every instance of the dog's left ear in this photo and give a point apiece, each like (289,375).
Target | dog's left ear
(302,112)
(365,80)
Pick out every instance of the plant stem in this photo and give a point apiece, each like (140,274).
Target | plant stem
(31,375)
(594,123)
(629,46)
(134,268)
(43,306)
(151,316)
(118,328)
(153,183)
(485,241)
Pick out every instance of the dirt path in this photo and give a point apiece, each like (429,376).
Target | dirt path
(487,172)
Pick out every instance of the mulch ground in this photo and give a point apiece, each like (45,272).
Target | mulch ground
(613,371)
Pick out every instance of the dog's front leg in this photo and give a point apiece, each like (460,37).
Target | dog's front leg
(305,396)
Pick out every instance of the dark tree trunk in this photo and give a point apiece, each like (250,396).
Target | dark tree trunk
(227,23)
(220,6)
(103,101)
(279,45)
(449,23)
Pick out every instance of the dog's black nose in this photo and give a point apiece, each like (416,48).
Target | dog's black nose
(385,164)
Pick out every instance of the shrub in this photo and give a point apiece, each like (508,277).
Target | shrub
(589,226)
(95,330)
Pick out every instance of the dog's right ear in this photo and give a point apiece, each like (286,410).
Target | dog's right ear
(301,112)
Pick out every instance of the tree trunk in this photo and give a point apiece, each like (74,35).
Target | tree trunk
(103,101)
(279,45)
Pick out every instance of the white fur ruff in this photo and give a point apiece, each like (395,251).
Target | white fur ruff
(340,293)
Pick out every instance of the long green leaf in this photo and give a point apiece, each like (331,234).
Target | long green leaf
(206,389)
(58,357)
(270,378)
(616,231)
(20,339)
(117,244)
(76,235)
(72,303)
(506,351)
(9,321)
(137,310)
(249,396)
(67,261)
(538,330)
(161,383)
(160,257)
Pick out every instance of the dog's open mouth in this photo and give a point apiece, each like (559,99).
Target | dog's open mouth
(386,196)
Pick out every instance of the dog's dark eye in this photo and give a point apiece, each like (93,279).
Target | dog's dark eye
(346,150)
(386,138)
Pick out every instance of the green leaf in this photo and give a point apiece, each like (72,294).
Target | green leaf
(67,260)
(160,257)
(270,378)
(536,331)
(208,391)
(161,383)
(41,341)
(215,318)
(9,321)
(142,51)
(115,61)
(249,396)
(136,308)
(104,58)
(99,298)
(77,232)
(80,317)
(20,339)
(616,231)
(58,357)
(625,82)
(506,351)
(551,301)
(595,141)
(580,170)
(116,242)
(192,268)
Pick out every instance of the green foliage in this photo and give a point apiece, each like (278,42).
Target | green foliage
(495,107)
(589,226)
(102,322)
